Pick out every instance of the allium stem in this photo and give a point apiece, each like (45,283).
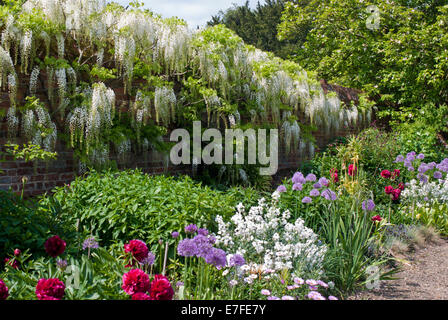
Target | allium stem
(165,258)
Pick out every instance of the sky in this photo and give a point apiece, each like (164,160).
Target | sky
(195,12)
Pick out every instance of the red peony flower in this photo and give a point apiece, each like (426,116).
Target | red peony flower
(14,264)
(396,194)
(50,289)
(3,290)
(135,281)
(388,189)
(55,246)
(161,288)
(385,174)
(17,252)
(396,173)
(377,218)
(401,186)
(352,170)
(140,296)
(138,249)
(334,175)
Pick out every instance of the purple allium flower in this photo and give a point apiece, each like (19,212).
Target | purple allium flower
(317,185)
(265,292)
(187,248)
(324,181)
(216,257)
(298,178)
(203,245)
(411,156)
(62,264)
(273,298)
(191,228)
(297,187)
(90,243)
(399,158)
(421,156)
(437,175)
(332,298)
(431,165)
(203,231)
(288,298)
(314,193)
(211,239)
(410,168)
(326,194)
(422,177)
(237,260)
(423,168)
(281,188)
(175,234)
(368,205)
(149,260)
(311,177)
(307,200)
(426,199)
(179,284)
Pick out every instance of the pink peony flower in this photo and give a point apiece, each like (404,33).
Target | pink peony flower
(386,174)
(3,290)
(140,296)
(161,288)
(377,218)
(388,189)
(138,249)
(135,281)
(14,263)
(55,246)
(50,289)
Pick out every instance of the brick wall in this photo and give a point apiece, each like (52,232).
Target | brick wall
(44,176)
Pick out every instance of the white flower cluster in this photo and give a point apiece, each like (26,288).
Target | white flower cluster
(263,236)
(420,192)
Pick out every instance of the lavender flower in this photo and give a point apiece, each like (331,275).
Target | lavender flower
(90,243)
(314,193)
(307,200)
(191,228)
(368,205)
(187,248)
(310,177)
(281,188)
(297,187)
(236,260)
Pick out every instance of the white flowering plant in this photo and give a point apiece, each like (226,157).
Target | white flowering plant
(264,236)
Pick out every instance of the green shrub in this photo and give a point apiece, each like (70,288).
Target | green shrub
(119,206)
(23,226)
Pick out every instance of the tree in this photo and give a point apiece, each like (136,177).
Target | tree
(402,63)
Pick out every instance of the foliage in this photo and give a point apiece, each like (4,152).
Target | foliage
(398,63)
(129,204)
(23,225)
(29,152)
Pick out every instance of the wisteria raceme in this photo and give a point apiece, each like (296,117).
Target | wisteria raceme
(33,80)
(165,104)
